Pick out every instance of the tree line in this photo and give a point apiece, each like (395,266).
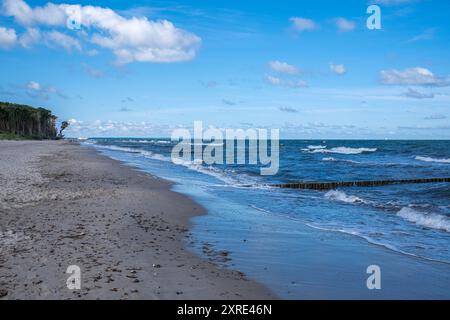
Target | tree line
(23,120)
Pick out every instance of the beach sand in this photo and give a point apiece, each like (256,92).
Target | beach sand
(63,205)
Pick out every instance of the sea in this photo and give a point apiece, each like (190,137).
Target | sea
(289,239)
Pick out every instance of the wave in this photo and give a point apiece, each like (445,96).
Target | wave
(344,150)
(356,233)
(429,159)
(117,148)
(211,144)
(230,176)
(374,242)
(339,160)
(429,220)
(157,142)
(319,147)
(338,150)
(341,196)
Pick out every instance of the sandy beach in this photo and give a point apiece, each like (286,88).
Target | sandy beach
(63,205)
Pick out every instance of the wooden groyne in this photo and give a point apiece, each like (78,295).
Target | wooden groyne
(341,184)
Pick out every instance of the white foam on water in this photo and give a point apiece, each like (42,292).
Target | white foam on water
(229,177)
(373,241)
(344,150)
(341,196)
(211,144)
(429,159)
(316,147)
(116,148)
(428,220)
(339,160)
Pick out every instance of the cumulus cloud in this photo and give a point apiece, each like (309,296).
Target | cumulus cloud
(51,14)
(338,69)
(413,77)
(302,24)
(33,85)
(30,37)
(345,25)
(8,38)
(36,90)
(60,39)
(275,81)
(130,39)
(412,93)
(283,67)
(116,128)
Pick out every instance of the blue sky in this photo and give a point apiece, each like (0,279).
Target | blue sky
(310,68)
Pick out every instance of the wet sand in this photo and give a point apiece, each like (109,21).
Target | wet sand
(63,205)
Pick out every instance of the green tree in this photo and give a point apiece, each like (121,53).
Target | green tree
(64,126)
(26,121)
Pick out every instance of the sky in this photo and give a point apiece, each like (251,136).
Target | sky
(312,69)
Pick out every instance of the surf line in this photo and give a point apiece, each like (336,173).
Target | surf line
(334,185)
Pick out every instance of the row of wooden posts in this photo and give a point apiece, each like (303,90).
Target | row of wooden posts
(371,183)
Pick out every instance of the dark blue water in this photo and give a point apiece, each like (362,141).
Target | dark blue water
(410,220)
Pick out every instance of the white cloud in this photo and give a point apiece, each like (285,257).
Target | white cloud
(33,85)
(283,67)
(51,14)
(63,40)
(275,81)
(130,39)
(30,37)
(37,90)
(116,128)
(345,25)
(303,24)
(338,68)
(411,93)
(8,37)
(413,76)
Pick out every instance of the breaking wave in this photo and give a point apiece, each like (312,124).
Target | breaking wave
(429,220)
(341,196)
(228,176)
(429,159)
(338,150)
(339,160)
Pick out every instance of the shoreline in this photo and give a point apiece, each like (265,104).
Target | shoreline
(66,205)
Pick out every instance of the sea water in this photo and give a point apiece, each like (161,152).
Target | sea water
(264,228)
